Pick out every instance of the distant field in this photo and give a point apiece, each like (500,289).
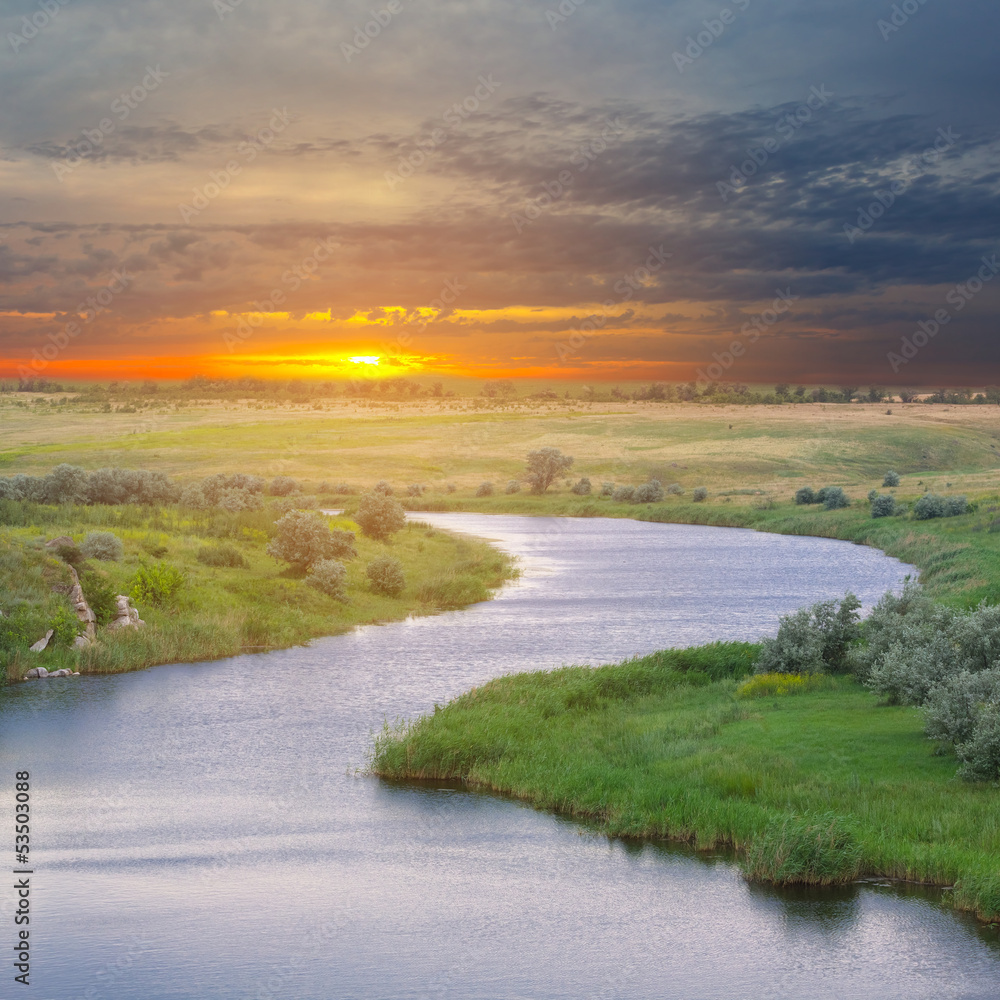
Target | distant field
(770,448)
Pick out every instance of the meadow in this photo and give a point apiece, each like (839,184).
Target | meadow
(253,604)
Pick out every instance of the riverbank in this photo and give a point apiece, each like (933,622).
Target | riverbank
(821,786)
(234,597)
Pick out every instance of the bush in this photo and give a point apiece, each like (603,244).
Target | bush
(284,486)
(980,754)
(884,506)
(379,515)
(386,576)
(544,466)
(194,497)
(239,499)
(930,505)
(607,489)
(330,577)
(891,479)
(451,487)
(812,640)
(484,490)
(156,584)
(954,707)
(624,494)
(651,492)
(100,596)
(102,545)
(805,495)
(582,487)
(303,538)
(834,498)
(382,488)
(223,555)
(70,553)
(699,494)
(675,489)
(513,486)
(414,490)
(344,489)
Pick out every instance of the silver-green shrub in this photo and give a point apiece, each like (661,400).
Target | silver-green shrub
(812,640)
(385,575)
(513,486)
(700,494)
(891,479)
(624,494)
(883,505)
(980,754)
(954,707)
(102,545)
(651,492)
(328,576)
(582,488)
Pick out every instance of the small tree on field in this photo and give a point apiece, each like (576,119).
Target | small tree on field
(891,479)
(545,466)
(484,490)
(379,515)
(582,488)
(303,538)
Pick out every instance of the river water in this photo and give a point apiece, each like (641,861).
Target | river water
(201,831)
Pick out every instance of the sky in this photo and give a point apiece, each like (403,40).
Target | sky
(764,190)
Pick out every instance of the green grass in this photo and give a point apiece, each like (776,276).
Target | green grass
(223,610)
(820,787)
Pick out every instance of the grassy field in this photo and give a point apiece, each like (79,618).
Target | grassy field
(773,449)
(219,611)
(821,786)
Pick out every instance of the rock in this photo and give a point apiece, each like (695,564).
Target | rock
(55,543)
(126,616)
(42,643)
(36,672)
(82,642)
(60,673)
(76,673)
(84,612)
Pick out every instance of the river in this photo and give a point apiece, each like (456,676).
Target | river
(202,832)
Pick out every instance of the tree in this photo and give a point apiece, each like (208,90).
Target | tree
(848,392)
(544,466)
(303,538)
(379,515)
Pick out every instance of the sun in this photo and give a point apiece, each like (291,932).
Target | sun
(366,359)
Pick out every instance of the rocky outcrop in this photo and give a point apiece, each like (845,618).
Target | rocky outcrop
(42,643)
(127,616)
(84,613)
